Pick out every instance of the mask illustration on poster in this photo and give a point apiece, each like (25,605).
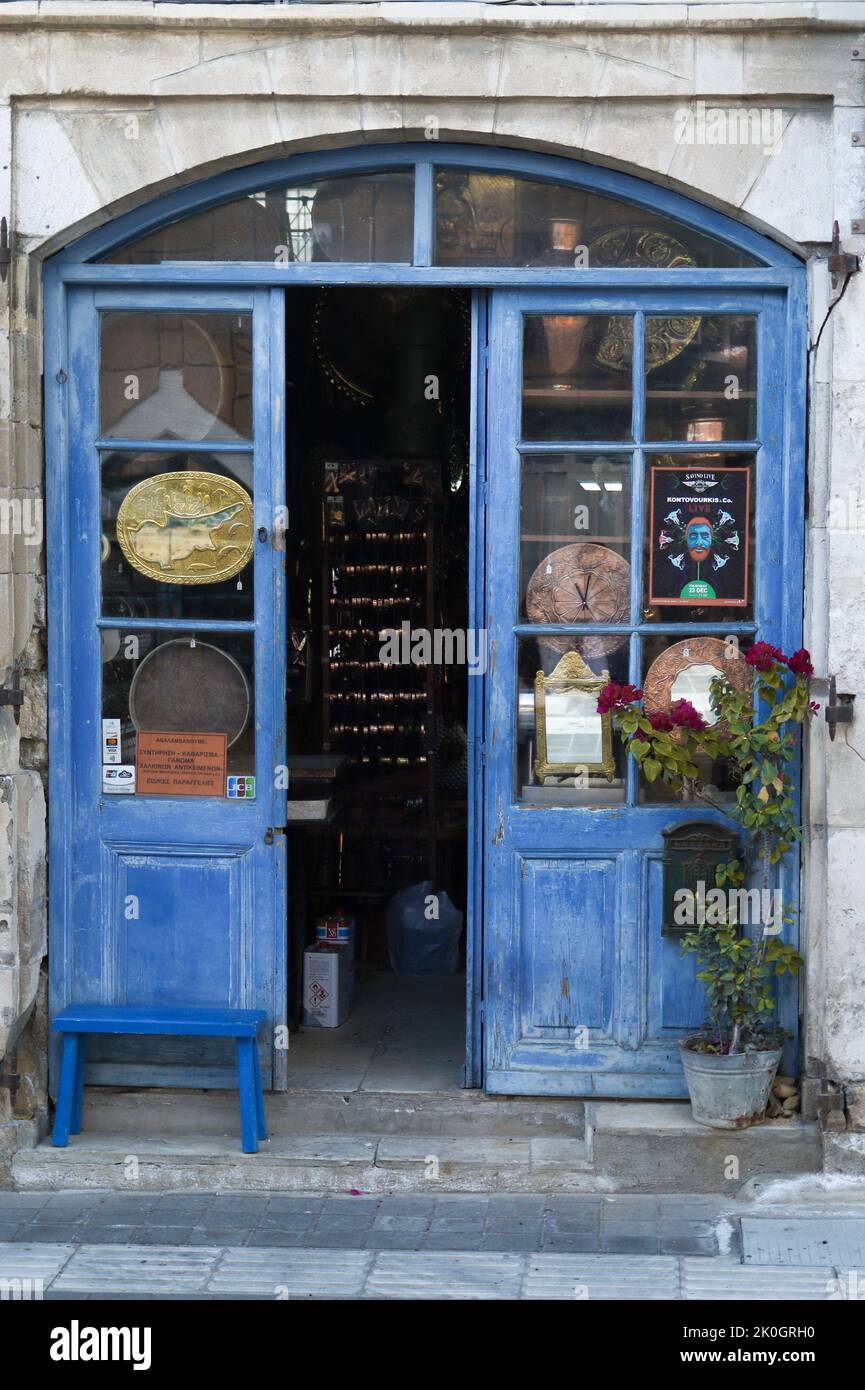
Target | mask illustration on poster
(699,536)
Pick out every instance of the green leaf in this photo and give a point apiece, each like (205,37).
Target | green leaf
(651,767)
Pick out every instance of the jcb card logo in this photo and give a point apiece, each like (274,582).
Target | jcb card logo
(77,1343)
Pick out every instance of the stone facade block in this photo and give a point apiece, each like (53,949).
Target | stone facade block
(34,710)
(719,64)
(318,66)
(246,73)
(647,65)
(731,170)
(8,504)
(438,66)
(615,134)
(103,62)
(8,810)
(842,997)
(561,68)
(854,1097)
(790,193)
(7,621)
(212,132)
(9,741)
(28,462)
(25,64)
(53,190)
(31,870)
(24,602)
(468,117)
(557,127)
(305,124)
(26,404)
(122,150)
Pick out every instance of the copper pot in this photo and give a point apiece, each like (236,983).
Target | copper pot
(563,338)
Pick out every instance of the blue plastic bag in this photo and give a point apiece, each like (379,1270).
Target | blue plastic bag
(424,930)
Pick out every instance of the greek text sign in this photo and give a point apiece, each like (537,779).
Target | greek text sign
(181,764)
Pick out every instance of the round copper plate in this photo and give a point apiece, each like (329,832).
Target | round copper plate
(693,651)
(181,688)
(665,337)
(582,583)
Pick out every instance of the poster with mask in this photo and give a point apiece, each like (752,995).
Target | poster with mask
(698,550)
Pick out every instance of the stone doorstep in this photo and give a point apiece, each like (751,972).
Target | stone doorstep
(641,1144)
(629,1146)
(340,1162)
(170,1112)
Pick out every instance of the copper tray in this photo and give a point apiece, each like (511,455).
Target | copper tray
(581,583)
(184,688)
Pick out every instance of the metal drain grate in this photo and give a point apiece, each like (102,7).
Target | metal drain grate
(815,1241)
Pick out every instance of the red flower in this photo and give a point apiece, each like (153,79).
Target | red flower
(684,716)
(800,663)
(814,707)
(762,656)
(615,696)
(661,722)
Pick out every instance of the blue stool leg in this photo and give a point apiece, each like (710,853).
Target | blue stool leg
(246,1062)
(75,1121)
(66,1090)
(260,1117)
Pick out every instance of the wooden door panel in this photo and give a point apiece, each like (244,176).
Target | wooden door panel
(584,996)
(567,907)
(164,899)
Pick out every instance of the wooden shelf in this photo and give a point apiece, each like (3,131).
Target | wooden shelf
(566,395)
(576,536)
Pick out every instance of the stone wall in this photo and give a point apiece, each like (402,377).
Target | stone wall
(104,105)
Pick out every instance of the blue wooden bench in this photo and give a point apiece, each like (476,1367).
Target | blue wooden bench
(78,1020)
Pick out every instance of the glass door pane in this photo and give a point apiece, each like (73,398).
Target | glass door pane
(577,376)
(176,376)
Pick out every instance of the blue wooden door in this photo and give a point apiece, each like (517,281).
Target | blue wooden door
(166,507)
(589,394)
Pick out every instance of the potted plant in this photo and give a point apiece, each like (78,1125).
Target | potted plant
(731,1064)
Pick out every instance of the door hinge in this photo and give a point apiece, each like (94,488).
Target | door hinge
(5,252)
(12,694)
(841,262)
(272,831)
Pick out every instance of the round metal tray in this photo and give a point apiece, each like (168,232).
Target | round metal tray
(186,687)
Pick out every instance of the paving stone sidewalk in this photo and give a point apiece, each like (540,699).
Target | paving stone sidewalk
(151,1272)
(515,1224)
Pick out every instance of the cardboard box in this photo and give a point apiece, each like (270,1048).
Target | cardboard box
(328,985)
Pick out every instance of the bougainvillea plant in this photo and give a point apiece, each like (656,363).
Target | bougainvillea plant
(755,732)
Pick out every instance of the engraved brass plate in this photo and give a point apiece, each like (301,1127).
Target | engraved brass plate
(186,528)
(582,583)
(665,337)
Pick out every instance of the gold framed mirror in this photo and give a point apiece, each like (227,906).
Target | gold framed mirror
(570,735)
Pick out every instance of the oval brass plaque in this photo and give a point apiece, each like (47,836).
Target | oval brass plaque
(186,528)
